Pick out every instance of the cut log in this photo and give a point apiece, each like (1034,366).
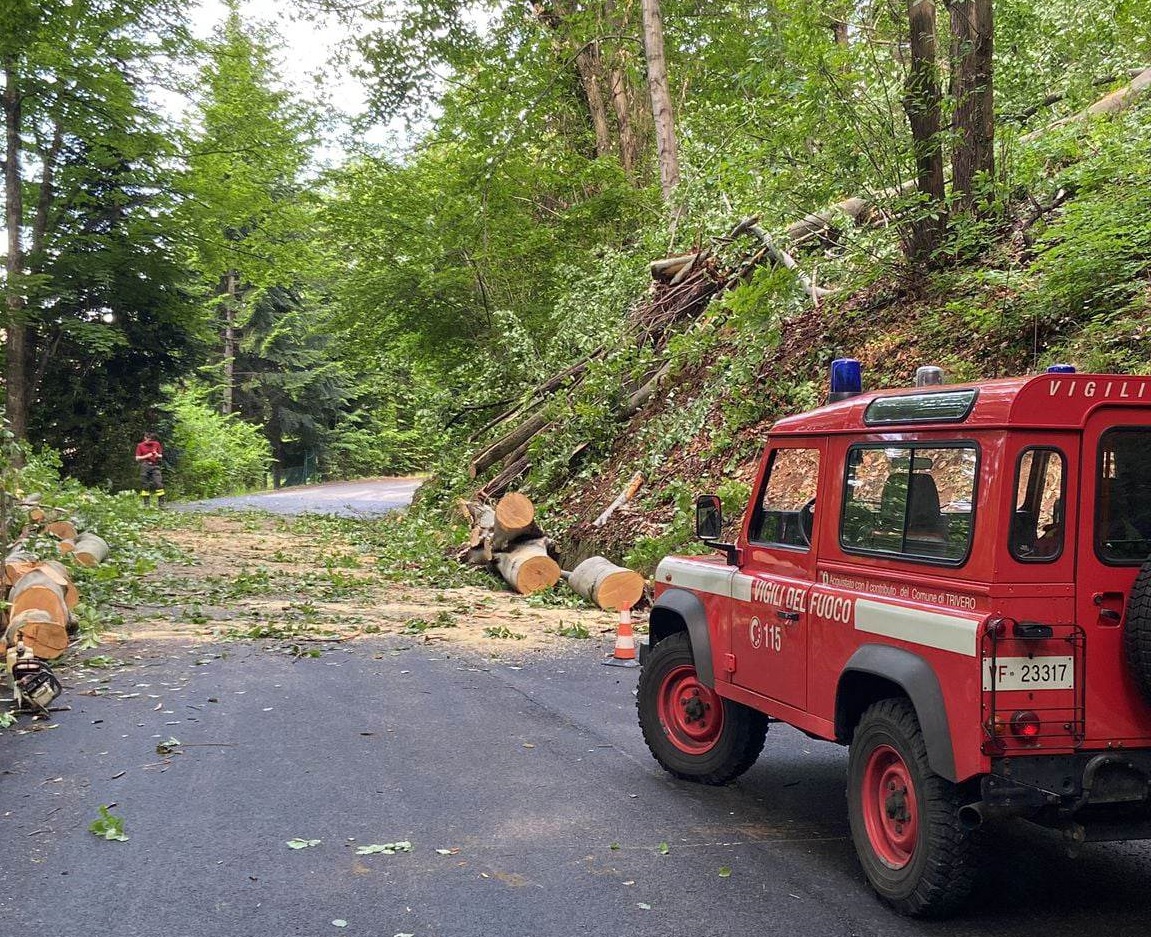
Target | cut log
(43,635)
(610,587)
(61,530)
(38,590)
(65,546)
(90,550)
(624,497)
(507,444)
(59,574)
(514,513)
(19,563)
(527,568)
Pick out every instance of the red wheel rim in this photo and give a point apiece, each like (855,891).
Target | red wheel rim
(691,714)
(890,812)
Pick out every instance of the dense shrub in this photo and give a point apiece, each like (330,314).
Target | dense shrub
(211,454)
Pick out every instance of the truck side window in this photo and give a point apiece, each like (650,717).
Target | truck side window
(1123,497)
(786,512)
(1037,515)
(910,500)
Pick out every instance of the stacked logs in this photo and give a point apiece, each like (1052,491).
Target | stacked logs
(41,593)
(506,538)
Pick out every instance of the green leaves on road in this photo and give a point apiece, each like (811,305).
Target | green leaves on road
(108,826)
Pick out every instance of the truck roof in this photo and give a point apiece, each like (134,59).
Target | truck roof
(1045,401)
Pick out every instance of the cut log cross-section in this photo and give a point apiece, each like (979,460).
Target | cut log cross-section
(46,637)
(610,587)
(61,530)
(19,563)
(90,550)
(527,568)
(38,590)
(514,520)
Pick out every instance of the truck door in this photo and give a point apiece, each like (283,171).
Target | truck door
(769,635)
(1115,540)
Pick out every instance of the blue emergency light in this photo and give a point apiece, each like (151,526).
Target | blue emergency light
(1061,369)
(846,379)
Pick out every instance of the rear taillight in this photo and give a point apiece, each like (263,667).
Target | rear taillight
(1025,725)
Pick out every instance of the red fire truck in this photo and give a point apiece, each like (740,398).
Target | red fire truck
(954,582)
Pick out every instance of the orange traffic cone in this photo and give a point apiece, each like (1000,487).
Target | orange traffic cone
(624,653)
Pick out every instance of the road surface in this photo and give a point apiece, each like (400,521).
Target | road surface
(369,497)
(532,806)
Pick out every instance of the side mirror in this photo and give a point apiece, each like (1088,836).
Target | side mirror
(708,517)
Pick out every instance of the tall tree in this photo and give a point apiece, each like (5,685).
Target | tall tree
(246,213)
(921,101)
(659,91)
(75,117)
(972,50)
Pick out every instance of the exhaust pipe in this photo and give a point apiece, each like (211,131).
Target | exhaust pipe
(973,815)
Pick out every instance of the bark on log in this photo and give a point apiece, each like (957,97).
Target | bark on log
(90,550)
(61,530)
(498,485)
(527,568)
(58,573)
(610,587)
(46,637)
(38,590)
(19,563)
(507,444)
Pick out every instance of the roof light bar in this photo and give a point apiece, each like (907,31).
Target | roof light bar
(1061,369)
(929,376)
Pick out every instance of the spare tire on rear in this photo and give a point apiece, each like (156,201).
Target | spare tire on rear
(1137,630)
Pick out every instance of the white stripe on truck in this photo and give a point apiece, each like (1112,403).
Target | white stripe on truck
(931,629)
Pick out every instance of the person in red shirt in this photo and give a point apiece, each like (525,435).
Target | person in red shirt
(149,453)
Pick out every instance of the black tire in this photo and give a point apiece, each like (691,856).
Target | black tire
(1137,631)
(694,733)
(904,817)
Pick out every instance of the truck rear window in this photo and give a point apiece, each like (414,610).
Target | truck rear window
(1123,496)
(910,500)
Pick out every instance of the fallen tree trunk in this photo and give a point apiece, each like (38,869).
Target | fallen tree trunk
(528,568)
(507,444)
(90,550)
(498,485)
(610,587)
(42,634)
(38,590)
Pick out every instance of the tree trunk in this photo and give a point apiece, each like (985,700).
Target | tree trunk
(921,102)
(59,574)
(46,637)
(16,353)
(229,342)
(610,587)
(590,68)
(527,568)
(972,45)
(40,591)
(660,93)
(508,443)
(90,550)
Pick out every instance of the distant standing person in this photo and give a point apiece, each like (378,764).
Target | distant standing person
(149,452)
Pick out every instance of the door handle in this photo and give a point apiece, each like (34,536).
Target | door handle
(787,616)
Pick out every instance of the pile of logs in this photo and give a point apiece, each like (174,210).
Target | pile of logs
(506,538)
(40,590)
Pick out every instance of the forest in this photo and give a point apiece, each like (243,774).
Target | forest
(195,245)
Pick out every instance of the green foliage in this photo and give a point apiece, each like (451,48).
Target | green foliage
(108,826)
(215,454)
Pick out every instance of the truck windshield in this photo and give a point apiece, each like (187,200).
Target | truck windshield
(1123,496)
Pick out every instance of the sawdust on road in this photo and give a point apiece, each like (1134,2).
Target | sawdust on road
(257,577)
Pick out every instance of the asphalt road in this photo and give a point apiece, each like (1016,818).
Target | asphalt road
(532,775)
(368,497)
